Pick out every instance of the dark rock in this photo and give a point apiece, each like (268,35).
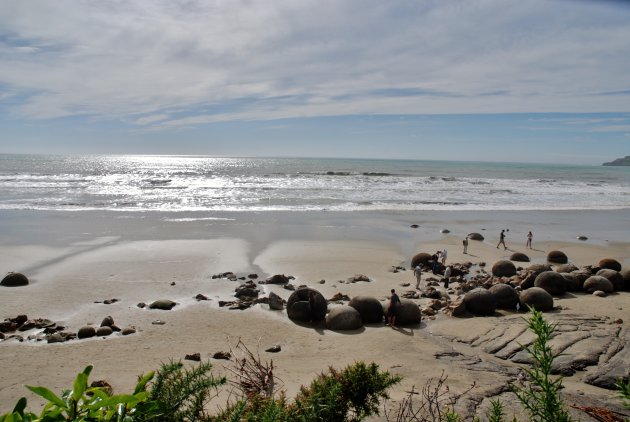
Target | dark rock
(421,258)
(222,355)
(108,321)
(536,298)
(158,322)
(582,238)
(274,349)
(599,293)
(480,301)
(128,330)
(369,308)
(141,305)
(358,277)
(55,338)
(614,277)
(343,318)
(14,280)
(275,302)
(557,257)
(109,301)
(552,282)
(580,277)
(538,268)
(278,279)
(503,268)
(408,312)
(610,264)
(162,304)
(573,282)
(625,274)
(194,357)
(414,226)
(201,297)
(115,328)
(505,295)
(306,305)
(253,276)
(246,292)
(104,331)
(475,236)
(445,231)
(339,297)
(20,319)
(86,332)
(8,326)
(519,257)
(597,282)
(289,287)
(566,268)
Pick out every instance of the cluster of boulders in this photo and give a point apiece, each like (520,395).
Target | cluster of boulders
(55,333)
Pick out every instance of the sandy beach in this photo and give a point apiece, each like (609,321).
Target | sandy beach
(75,261)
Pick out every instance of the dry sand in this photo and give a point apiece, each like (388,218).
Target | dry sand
(68,280)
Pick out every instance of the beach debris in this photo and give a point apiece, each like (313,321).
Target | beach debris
(194,357)
(582,238)
(339,297)
(476,236)
(274,349)
(277,279)
(397,268)
(163,304)
(222,355)
(322,281)
(247,290)
(557,257)
(253,276)
(158,322)
(110,301)
(343,318)
(275,302)
(410,294)
(445,231)
(201,297)
(14,280)
(172,283)
(370,308)
(414,226)
(306,305)
(86,332)
(141,305)
(358,277)
(289,287)
(128,330)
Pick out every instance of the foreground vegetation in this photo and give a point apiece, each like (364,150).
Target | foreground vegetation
(174,393)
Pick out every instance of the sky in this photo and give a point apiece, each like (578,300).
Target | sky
(483,80)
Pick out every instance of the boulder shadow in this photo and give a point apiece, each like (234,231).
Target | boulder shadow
(349,332)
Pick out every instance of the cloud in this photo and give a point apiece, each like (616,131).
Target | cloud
(170,64)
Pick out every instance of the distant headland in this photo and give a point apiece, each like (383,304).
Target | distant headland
(625,161)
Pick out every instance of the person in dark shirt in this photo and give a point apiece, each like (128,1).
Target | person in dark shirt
(392,310)
(502,240)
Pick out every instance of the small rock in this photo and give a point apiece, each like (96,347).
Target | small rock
(141,305)
(110,301)
(274,349)
(599,293)
(222,355)
(56,338)
(201,297)
(128,330)
(108,321)
(104,331)
(253,276)
(194,356)
(158,322)
(86,332)
(322,281)
(582,238)
(163,304)
(445,231)
(275,302)
(619,321)
(414,226)
(172,283)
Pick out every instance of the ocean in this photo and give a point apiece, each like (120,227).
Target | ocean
(200,183)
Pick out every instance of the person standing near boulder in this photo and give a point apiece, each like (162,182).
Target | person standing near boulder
(444,254)
(502,240)
(447,276)
(392,310)
(418,273)
(465,242)
(530,236)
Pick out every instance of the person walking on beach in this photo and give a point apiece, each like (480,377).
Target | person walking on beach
(502,240)
(435,258)
(418,273)
(530,236)
(392,310)
(465,242)
(447,276)
(444,254)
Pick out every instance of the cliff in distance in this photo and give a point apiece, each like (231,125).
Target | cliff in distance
(625,161)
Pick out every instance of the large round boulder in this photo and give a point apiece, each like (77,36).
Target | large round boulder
(505,295)
(421,258)
(597,282)
(519,257)
(566,268)
(306,304)
(573,282)
(614,277)
(408,312)
(86,332)
(369,308)
(538,268)
(343,318)
(536,298)
(580,277)
(480,301)
(625,274)
(14,280)
(557,257)
(475,236)
(503,268)
(610,264)
(552,282)
(163,304)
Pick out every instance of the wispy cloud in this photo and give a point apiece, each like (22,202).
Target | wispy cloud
(242,60)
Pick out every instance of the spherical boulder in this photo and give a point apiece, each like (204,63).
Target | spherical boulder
(614,277)
(409,313)
(519,257)
(306,304)
(503,268)
(421,258)
(505,295)
(610,264)
(14,280)
(343,318)
(625,274)
(163,304)
(536,298)
(369,308)
(108,321)
(566,268)
(480,301)
(580,277)
(104,331)
(573,282)
(552,282)
(597,282)
(557,257)
(86,332)
(475,236)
